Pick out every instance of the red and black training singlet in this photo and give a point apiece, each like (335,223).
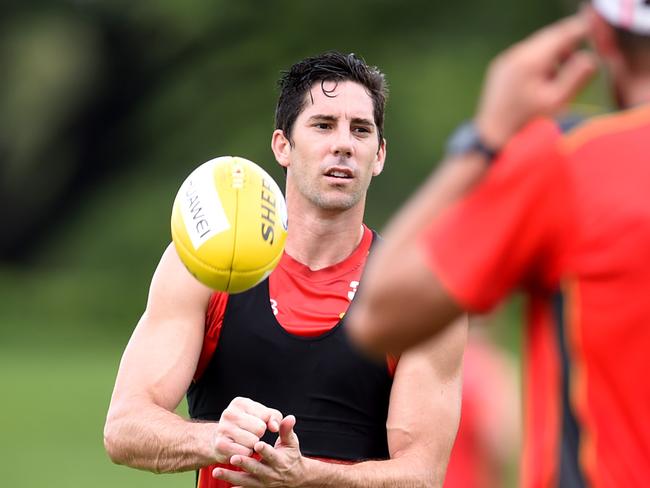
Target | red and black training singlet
(339,397)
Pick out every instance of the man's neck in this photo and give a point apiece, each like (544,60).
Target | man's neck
(322,241)
(637,91)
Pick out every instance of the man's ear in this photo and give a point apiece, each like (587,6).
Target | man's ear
(281,147)
(378,165)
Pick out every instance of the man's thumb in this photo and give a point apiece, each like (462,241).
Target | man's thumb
(287,436)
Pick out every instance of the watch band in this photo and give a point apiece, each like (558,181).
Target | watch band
(466,138)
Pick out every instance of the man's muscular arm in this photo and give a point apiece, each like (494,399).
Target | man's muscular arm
(141,429)
(422,423)
(536,76)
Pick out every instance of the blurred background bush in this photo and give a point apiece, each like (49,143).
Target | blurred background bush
(107,105)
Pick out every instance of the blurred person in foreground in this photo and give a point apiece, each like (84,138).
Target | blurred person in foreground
(564,216)
(275,359)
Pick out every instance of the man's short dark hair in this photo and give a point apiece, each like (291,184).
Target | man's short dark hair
(296,83)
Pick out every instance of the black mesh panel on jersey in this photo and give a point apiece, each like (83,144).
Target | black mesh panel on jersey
(339,397)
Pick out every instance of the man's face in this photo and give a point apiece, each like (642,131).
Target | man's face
(335,151)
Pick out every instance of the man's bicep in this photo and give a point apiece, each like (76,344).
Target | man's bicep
(161,355)
(425,400)
(157,364)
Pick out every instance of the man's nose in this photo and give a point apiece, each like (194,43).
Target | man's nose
(343,143)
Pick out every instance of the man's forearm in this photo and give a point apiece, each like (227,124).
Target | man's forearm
(405,472)
(452,180)
(160,441)
(379,305)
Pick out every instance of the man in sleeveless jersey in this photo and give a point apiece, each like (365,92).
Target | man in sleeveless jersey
(564,216)
(275,361)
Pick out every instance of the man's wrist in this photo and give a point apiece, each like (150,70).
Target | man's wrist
(318,473)
(468,138)
(210,441)
(495,134)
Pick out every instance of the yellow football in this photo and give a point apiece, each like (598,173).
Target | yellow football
(229,224)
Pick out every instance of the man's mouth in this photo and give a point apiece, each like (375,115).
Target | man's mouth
(339,173)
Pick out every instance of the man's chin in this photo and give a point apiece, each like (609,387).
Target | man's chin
(337,202)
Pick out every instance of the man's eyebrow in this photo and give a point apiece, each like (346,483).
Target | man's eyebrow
(329,118)
(362,121)
(332,118)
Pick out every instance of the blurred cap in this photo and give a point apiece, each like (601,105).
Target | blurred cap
(631,15)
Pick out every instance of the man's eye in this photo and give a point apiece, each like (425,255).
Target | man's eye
(322,125)
(361,130)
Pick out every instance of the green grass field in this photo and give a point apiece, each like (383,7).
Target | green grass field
(54,404)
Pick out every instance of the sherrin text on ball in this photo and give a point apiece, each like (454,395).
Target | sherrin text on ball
(229,224)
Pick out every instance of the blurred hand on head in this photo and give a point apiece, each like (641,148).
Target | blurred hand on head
(537,76)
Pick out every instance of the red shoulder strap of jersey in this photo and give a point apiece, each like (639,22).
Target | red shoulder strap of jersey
(213,323)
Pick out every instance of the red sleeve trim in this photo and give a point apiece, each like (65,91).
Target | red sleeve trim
(213,322)
(455,292)
(391,362)
(501,234)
